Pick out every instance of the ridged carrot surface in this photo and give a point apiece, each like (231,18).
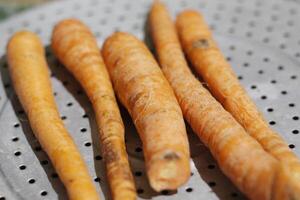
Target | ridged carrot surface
(144,91)
(30,77)
(76,47)
(254,171)
(206,57)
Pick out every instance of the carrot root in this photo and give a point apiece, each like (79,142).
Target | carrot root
(254,171)
(207,59)
(83,59)
(30,77)
(143,90)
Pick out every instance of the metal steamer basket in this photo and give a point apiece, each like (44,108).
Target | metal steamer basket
(259,38)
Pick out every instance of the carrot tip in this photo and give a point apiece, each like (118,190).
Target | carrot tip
(168,173)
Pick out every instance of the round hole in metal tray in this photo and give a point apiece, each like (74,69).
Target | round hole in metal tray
(17,153)
(97,179)
(63,117)
(31,181)
(83,130)
(87,144)
(38,148)
(140,191)
(292,146)
(98,157)
(138,173)
(44,193)
(211,166)
(54,175)
(44,162)
(15,139)
(22,167)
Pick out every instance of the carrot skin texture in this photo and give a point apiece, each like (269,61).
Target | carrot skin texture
(143,90)
(207,59)
(30,77)
(83,59)
(254,171)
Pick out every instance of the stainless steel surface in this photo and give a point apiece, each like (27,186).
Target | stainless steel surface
(261,39)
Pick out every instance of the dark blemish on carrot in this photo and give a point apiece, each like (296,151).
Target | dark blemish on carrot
(109,154)
(71,180)
(106,96)
(171,156)
(112,157)
(202,44)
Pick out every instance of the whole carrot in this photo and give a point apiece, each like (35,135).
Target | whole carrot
(30,77)
(76,47)
(241,158)
(209,62)
(143,90)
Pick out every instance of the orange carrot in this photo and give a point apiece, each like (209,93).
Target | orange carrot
(76,47)
(30,77)
(209,62)
(143,90)
(241,158)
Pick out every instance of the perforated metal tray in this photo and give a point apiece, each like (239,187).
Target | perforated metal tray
(260,38)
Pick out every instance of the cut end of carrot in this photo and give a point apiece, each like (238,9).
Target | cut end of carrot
(168,173)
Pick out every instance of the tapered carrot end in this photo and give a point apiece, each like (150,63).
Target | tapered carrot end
(70,25)
(168,173)
(69,21)
(157,4)
(66,33)
(23,37)
(23,42)
(188,14)
(24,33)
(64,25)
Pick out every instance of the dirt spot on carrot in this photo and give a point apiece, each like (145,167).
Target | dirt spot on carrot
(202,44)
(71,180)
(171,156)
(111,156)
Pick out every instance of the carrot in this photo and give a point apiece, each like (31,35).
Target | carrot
(83,59)
(241,158)
(209,62)
(143,90)
(30,77)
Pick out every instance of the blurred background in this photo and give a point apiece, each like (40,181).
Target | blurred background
(9,7)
